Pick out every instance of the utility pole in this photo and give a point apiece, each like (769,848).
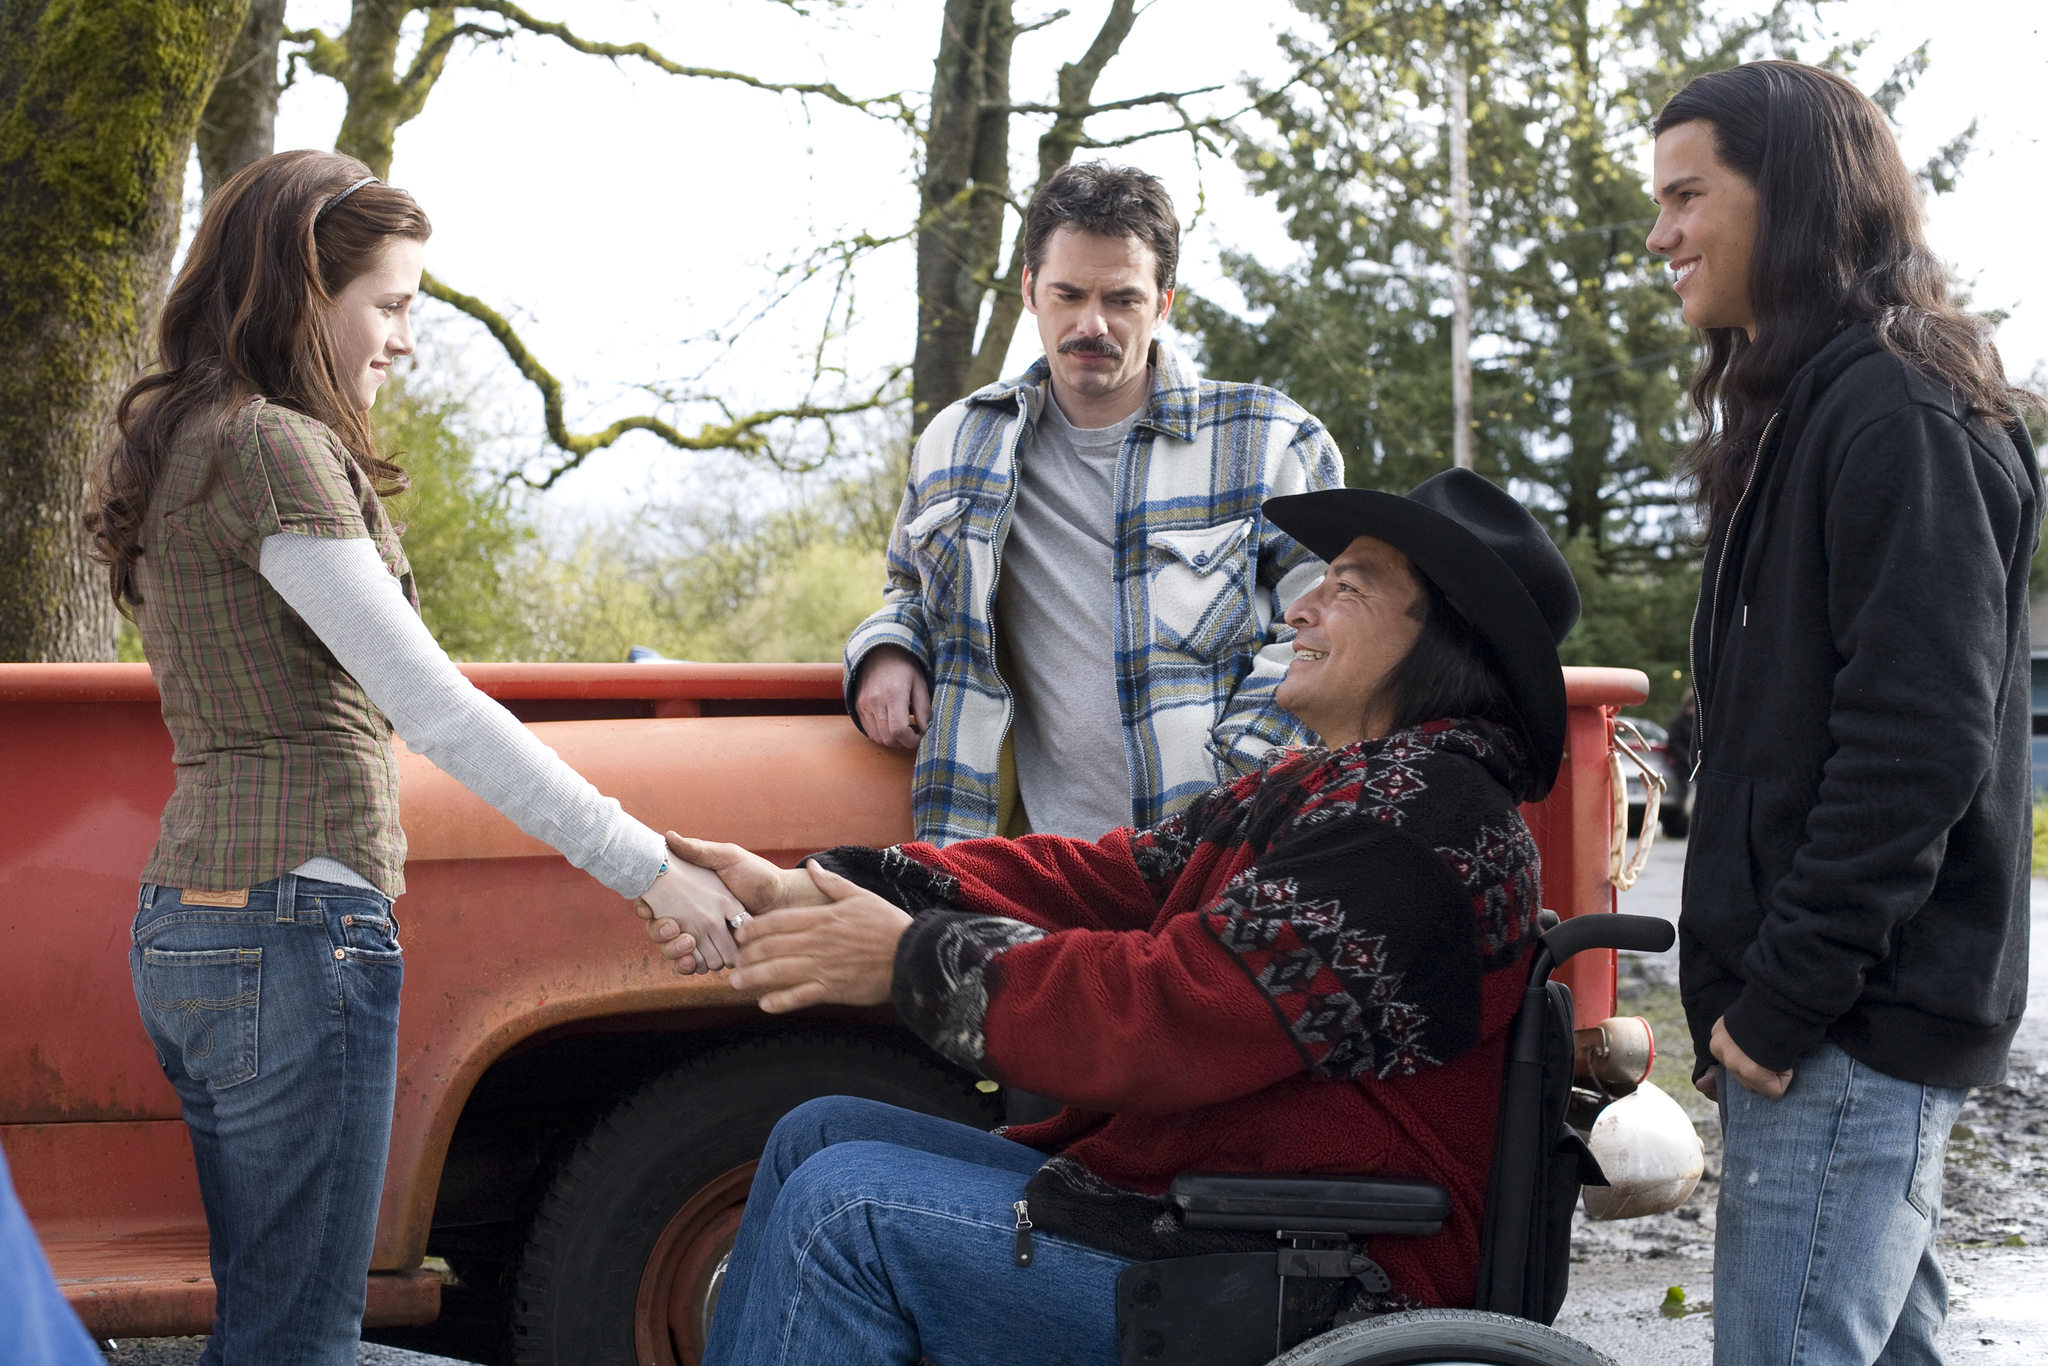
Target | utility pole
(1461,265)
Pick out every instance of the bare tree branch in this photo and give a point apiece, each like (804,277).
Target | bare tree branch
(364,60)
(744,433)
(433,56)
(1020,30)
(1172,97)
(895,107)
(844,254)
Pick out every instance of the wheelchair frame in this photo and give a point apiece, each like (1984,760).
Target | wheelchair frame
(1239,1309)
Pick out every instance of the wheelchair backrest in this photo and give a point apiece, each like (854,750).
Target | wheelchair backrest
(1525,1244)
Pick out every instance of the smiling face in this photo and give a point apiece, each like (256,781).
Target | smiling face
(1706,224)
(1098,306)
(372,319)
(1350,631)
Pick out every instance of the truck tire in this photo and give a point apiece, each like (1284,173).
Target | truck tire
(1438,1337)
(625,1251)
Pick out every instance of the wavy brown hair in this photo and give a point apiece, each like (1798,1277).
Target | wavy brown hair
(249,317)
(1838,242)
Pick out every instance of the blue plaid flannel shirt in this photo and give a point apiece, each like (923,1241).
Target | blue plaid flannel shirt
(1203,585)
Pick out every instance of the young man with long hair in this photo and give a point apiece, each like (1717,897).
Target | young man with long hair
(240,513)
(1855,913)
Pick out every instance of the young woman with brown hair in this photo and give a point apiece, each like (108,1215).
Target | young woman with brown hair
(240,513)
(1856,893)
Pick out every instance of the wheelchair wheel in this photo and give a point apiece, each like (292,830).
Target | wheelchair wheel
(1444,1337)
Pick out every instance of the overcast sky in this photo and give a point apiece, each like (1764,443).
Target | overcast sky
(628,220)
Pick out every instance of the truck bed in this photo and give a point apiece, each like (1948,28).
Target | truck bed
(506,944)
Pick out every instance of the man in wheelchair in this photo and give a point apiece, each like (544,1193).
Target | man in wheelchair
(1312,969)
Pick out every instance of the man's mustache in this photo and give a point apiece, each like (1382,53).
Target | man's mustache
(1092,346)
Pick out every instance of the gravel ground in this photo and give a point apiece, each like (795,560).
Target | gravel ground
(1994,1221)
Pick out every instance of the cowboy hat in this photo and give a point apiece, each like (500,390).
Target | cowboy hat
(1495,565)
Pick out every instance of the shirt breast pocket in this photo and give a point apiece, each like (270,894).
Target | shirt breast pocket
(1201,589)
(938,544)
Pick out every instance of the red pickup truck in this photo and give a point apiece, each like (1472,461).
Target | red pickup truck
(575,1126)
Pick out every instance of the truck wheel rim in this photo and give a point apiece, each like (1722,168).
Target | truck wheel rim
(679,1288)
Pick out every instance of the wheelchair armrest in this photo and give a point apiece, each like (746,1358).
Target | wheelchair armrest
(1338,1204)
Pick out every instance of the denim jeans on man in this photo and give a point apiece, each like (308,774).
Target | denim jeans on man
(1830,1197)
(277,1022)
(874,1234)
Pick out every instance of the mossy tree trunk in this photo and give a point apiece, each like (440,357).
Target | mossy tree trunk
(99,100)
(380,97)
(240,122)
(962,194)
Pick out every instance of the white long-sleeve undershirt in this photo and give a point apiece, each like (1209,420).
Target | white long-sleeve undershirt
(344,592)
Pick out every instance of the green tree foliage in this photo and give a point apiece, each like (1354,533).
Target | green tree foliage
(1634,619)
(790,585)
(1580,353)
(463,532)
(1580,350)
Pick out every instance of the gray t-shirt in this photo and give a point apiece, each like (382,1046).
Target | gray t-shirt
(1056,615)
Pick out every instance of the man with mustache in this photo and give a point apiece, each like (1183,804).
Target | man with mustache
(1085,614)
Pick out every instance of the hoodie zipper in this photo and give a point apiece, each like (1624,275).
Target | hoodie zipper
(1699,697)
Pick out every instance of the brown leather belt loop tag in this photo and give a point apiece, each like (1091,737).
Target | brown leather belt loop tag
(238,897)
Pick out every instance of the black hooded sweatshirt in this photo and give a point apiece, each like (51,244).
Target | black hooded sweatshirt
(1862,824)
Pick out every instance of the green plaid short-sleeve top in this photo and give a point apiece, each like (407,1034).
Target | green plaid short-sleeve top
(281,757)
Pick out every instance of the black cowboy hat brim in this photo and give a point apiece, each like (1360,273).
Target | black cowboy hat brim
(1476,581)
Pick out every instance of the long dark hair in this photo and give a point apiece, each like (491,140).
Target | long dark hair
(1838,241)
(248,317)
(1446,674)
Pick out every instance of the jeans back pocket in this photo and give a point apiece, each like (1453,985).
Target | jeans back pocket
(206,1005)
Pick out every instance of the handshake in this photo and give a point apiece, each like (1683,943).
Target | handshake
(793,937)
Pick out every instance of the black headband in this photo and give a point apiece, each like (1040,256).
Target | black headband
(366,180)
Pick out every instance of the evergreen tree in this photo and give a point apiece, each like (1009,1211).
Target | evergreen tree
(1580,354)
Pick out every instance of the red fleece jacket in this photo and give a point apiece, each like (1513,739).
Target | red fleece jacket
(1311,969)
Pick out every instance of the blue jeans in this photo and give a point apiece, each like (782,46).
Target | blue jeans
(874,1234)
(1830,1197)
(277,1023)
